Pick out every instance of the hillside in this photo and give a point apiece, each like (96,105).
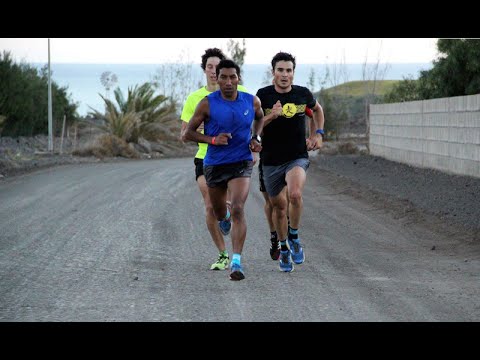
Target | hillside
(358,88)
(344,104)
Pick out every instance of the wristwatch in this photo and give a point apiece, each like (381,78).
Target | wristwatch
(256,137)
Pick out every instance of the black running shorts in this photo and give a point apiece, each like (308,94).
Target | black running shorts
(260,176)
(220,175)
(198,168)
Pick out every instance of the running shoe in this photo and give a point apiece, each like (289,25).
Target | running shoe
(274,250)
(298,255)
(236,273)
(225,226)
(221,263)
(285,263)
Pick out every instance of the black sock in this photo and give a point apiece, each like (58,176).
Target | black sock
(283,245)
(273,236)
(292,233)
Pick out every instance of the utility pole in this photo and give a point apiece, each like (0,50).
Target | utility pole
(50,131)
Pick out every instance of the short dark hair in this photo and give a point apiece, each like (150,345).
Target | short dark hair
(283,56)
(212,52)
(227,64)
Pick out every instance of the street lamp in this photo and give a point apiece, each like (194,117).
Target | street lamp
(50,135)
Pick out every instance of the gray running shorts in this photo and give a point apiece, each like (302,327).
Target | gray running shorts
(274,176)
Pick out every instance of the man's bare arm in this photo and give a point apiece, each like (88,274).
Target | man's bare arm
(277,110)
(255,146)
(259,116)
(202,113)
(314,141)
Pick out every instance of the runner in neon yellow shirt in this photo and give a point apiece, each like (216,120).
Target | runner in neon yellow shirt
(210,60)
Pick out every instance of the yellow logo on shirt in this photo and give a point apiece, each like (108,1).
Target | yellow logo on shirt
(289,110)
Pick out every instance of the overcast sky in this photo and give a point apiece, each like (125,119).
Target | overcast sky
(259,50)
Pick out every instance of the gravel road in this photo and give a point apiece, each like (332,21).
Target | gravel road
(126,241)
(448,198)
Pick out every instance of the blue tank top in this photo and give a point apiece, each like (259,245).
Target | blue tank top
(233,117)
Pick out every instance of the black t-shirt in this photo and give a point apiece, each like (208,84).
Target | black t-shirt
(283,139)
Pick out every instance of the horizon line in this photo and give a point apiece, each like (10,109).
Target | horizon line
(160,63)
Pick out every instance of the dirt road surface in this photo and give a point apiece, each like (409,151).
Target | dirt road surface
(127,241)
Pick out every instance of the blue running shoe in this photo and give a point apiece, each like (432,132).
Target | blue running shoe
(286,263)
(225,226)
(298,255)
(236,273)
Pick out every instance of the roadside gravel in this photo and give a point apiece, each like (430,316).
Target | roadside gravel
(452,199)
(25,154)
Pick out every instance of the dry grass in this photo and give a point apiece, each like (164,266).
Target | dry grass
(158,132)
(108,146)
(166,130)
(347,148)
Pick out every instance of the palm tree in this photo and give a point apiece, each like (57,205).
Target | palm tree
(136,115)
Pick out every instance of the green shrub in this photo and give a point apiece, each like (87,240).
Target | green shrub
(24,100)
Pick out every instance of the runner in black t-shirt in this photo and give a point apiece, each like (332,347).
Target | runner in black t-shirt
(268,208)
(285,151)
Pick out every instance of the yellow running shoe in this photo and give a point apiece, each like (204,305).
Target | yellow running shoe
(221,263)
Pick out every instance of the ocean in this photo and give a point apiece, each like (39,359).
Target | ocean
(84,84)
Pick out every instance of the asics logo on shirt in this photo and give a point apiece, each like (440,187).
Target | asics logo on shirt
(246,112)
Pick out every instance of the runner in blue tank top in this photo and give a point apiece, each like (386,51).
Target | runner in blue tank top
(231,117)
(232,121)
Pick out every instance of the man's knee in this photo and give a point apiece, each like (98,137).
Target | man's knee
(268,206)
(237,210)
(295,196)
(209,210)
(280,213)
(280,207)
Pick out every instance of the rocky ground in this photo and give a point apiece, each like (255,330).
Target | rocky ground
(25,154)
(446,198)
(443,200)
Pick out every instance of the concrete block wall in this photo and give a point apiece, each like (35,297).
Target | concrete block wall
(441,134)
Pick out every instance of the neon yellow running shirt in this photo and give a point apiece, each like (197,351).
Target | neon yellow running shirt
(189,109)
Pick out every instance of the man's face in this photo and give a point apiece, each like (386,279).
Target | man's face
(211,69)
(228,81)
(283,74)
